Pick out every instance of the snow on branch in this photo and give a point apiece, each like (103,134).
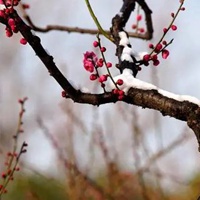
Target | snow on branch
(124,52)
(129,81)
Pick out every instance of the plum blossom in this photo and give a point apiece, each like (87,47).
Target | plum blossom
(9,2)
(165,53)
(89,61)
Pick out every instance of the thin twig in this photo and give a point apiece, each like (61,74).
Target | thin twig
(181,139)
(69,29)
(96,21)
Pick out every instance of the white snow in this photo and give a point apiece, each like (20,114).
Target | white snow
(127,50)
(169,94)
(139,55)
(122,34)
(130,82)
(190,99)
(126,57)
(120,14)
(124,41)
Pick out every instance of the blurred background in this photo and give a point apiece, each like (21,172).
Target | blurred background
(114,151)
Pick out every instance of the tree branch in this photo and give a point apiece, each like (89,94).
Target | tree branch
(69,29)
(149,24)
(122,42)
(185,110)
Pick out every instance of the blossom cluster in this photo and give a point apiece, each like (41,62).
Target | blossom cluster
(90,61)
(11,23)
(93,64)
(161,46)
(10,2)
(153,56)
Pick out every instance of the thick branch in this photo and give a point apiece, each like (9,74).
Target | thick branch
(185,111)
(119,22)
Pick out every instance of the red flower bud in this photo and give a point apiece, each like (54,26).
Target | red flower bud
(165,54)
(119,82)
(23,41)
(95,44)
(174,28)
(93,77)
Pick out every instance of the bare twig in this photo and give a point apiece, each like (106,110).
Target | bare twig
(149,33)
(181,139)
(69,165)
(69,29)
